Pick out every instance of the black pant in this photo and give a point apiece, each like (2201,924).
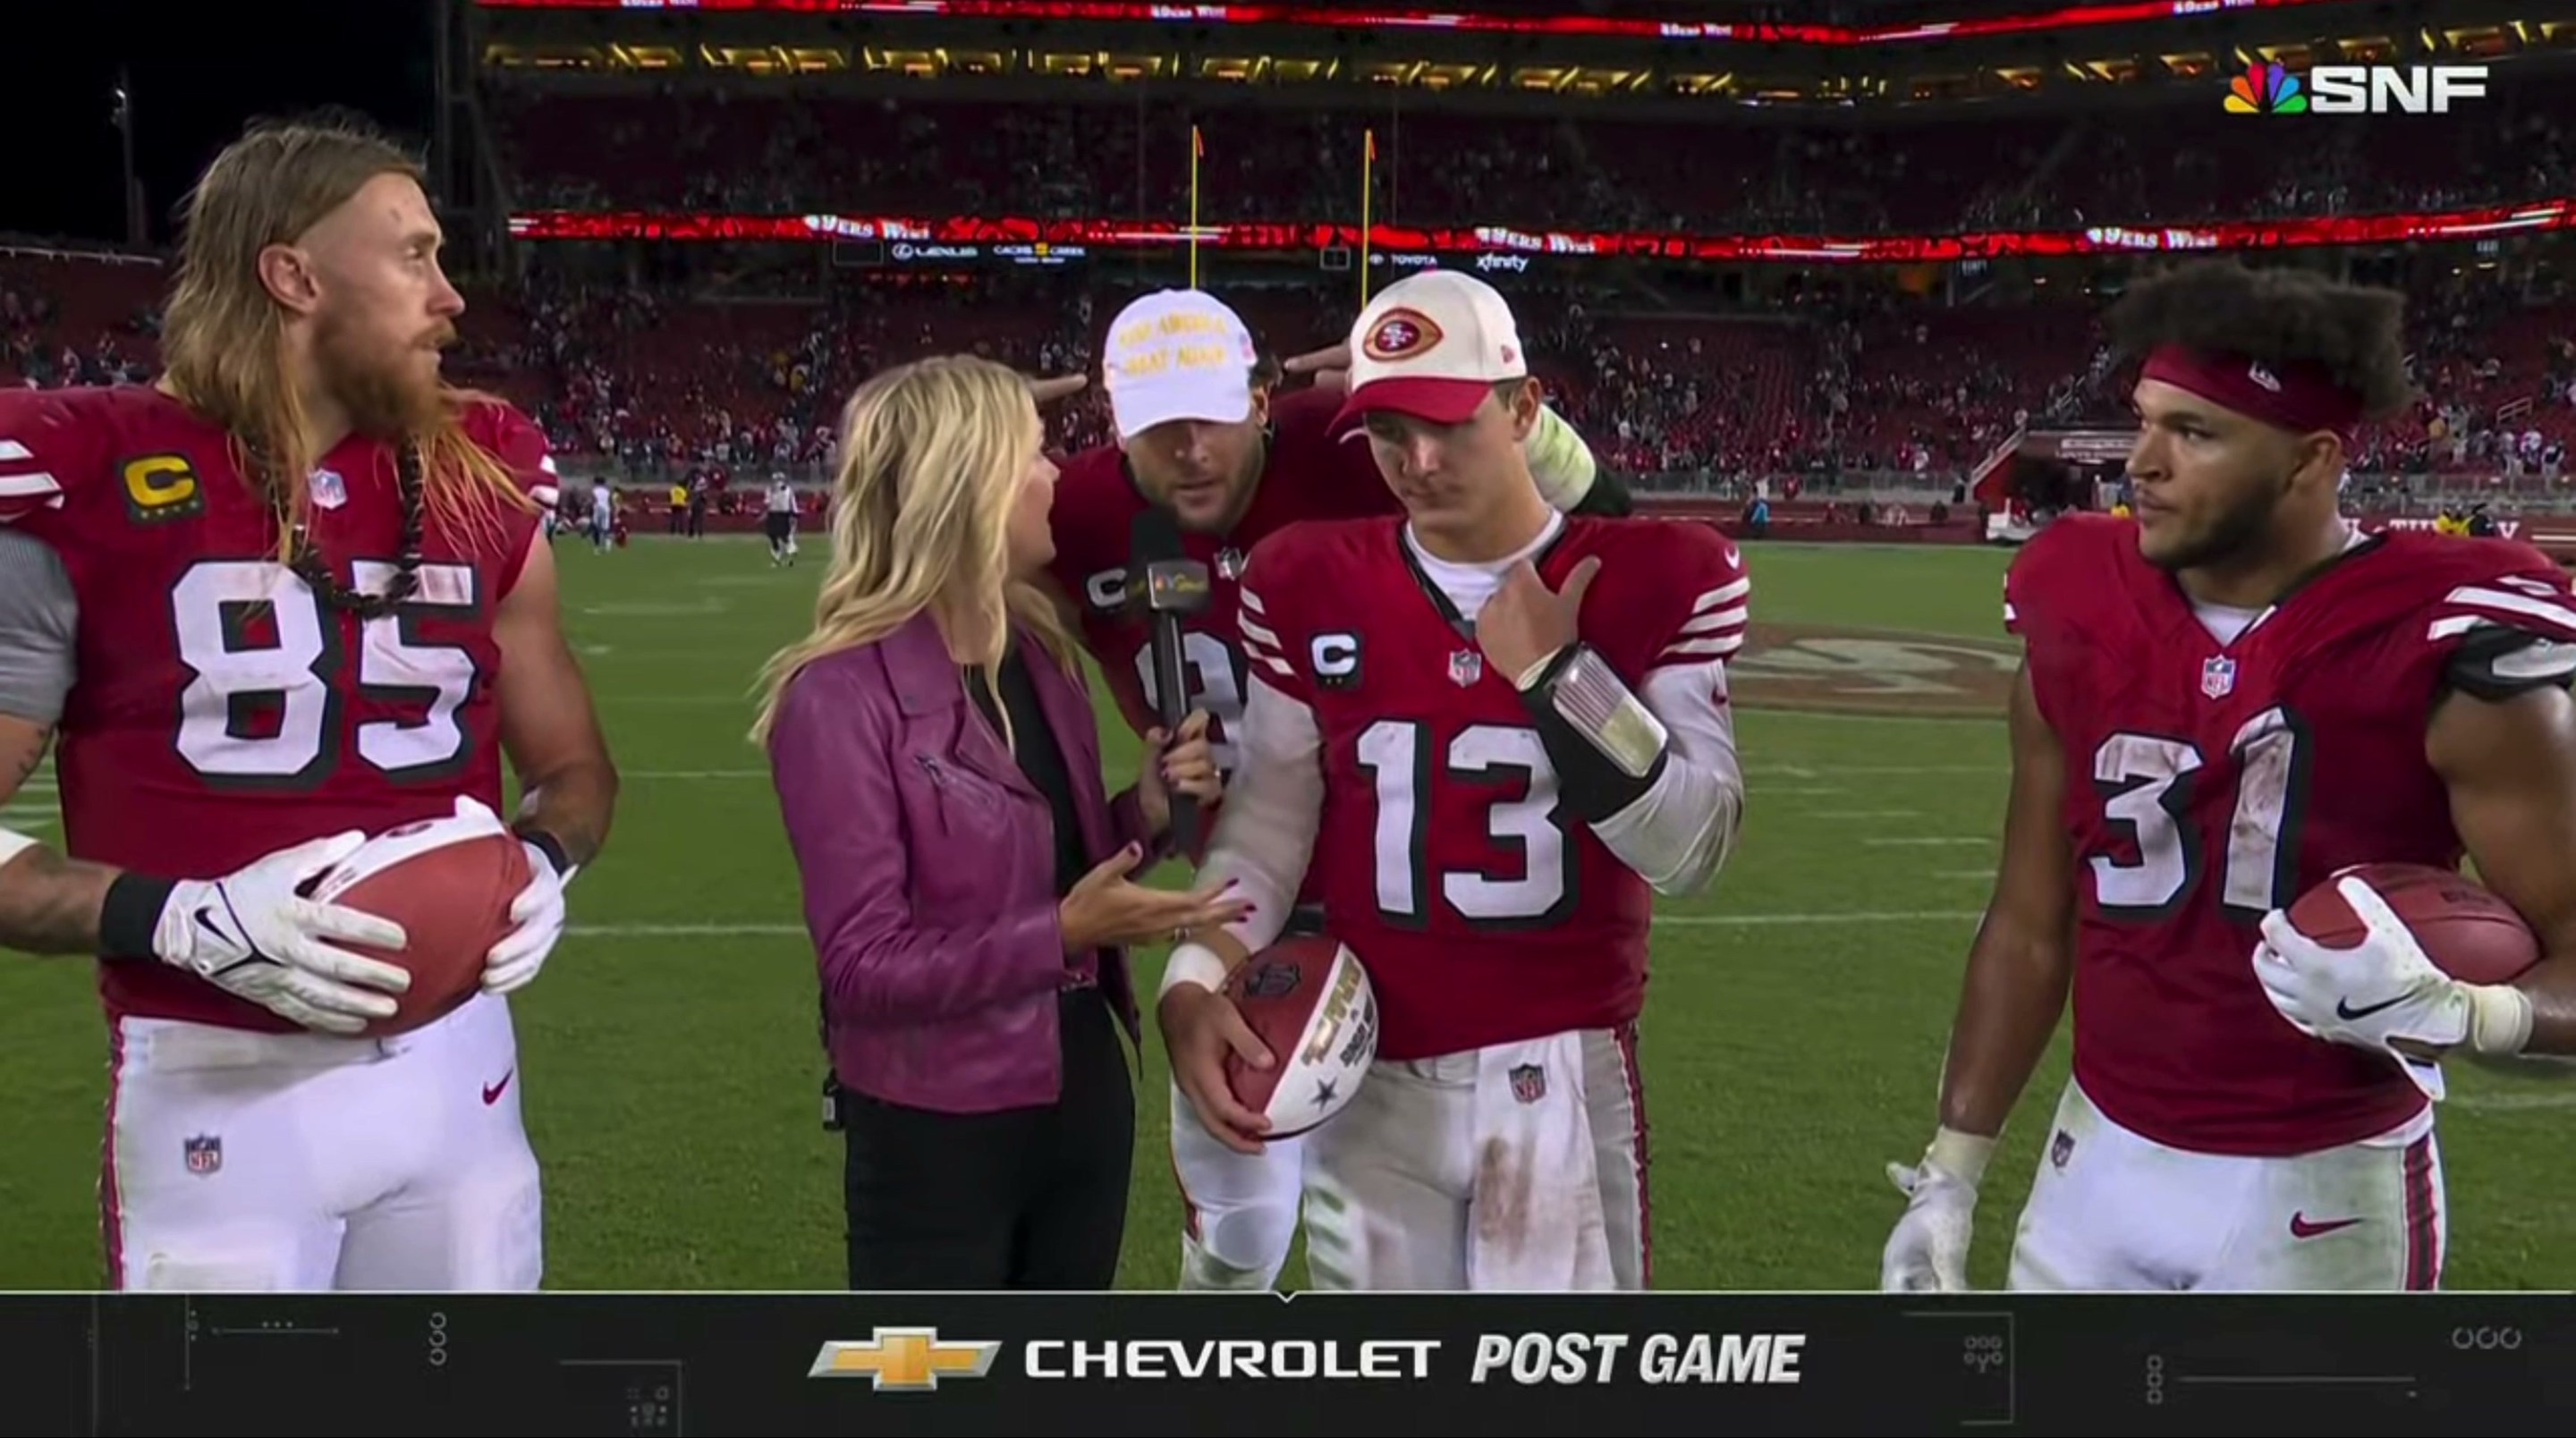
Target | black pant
(1025,1198)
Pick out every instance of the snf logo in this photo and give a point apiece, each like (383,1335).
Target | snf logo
(2271,89)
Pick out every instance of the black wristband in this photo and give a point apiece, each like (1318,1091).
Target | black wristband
(130,914)
(546,844)
(1591,787)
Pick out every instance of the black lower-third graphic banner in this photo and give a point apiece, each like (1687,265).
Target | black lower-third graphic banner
(550,1364)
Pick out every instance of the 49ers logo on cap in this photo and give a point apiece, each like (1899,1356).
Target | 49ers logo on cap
(1401,334)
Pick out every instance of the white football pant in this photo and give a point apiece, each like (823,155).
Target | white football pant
(2113,1210)
(309,1161)
(1238,1210)
(1409,1187)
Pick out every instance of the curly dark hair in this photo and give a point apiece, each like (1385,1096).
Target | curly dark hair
(2279,316)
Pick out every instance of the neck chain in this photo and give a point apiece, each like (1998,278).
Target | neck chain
(308,564)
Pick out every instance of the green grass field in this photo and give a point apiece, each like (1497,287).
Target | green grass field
(1792,1034)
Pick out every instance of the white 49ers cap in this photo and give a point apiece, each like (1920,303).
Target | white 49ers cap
(1432,345)
(1177,354)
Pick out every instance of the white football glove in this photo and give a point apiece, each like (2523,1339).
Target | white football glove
(2384,993)
(539,914)
(1928,1252)
(253,936)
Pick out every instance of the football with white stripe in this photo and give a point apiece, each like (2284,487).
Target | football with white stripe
(1310,1003)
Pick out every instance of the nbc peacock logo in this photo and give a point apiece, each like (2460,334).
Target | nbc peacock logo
(2266,90)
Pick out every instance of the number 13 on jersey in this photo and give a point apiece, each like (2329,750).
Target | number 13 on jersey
(1489,791)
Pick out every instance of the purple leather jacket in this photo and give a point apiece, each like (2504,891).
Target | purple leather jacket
(929,870)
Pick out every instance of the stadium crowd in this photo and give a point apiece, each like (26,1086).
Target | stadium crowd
(657,385)
(2172,158)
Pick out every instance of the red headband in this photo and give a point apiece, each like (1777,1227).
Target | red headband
(2298,396)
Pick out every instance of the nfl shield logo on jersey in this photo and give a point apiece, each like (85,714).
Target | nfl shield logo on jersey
(1229,564)
(1529,1083)
(205,1154)
(1466,666)
(329,490)
(2218,677)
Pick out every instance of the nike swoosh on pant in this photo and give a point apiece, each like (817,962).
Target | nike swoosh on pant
(492,1091)
(2301,1227)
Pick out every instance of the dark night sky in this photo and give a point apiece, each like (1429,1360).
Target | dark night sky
(200,69)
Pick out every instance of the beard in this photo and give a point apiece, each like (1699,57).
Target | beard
(2234,533)
(388,395)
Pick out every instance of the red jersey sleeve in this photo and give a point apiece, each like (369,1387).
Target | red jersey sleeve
(2504,625)
(45,452)
(1273,652)
(514,439)
(1670,594)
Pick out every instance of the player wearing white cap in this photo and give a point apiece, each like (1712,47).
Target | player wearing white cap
(1203,436)
(1489,734)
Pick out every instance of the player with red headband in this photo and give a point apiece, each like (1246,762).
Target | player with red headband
(2221,704)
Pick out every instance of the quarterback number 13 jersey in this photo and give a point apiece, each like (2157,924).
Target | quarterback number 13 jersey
(1486,912)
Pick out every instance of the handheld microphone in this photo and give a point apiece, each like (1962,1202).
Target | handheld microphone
(1169,584)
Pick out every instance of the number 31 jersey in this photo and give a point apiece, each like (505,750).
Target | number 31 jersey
(1485,912)
(221,711)
(2209,782)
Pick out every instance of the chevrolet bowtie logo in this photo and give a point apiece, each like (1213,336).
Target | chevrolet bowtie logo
(905,1360)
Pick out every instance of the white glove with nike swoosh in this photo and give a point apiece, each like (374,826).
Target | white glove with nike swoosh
(1928,1252)
(252,934)
(2384,993)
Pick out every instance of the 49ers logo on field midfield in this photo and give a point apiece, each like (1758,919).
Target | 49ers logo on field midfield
(1869,671)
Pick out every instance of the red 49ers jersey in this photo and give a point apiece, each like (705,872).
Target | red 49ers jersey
(2209,783)
(222,712)
(1484,912)
(1308,476)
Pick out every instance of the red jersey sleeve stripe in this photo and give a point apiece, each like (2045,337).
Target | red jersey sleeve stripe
(1254,632)
(2465,607)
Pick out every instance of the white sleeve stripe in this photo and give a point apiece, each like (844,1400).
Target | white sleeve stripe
(27,486)
(1723,593)
(2457,624)
(1714,619)
(2541,587)
(1250,600)
(1255,632)
(1718,644)
(12,449)
(2503,602)
(1277,666)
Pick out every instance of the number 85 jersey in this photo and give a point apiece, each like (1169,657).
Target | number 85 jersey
(219,710)
(1447,857)
(2212,777)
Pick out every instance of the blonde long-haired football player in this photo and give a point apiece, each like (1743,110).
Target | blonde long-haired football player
(307,587)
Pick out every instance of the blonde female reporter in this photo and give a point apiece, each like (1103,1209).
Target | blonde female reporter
(966,878)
